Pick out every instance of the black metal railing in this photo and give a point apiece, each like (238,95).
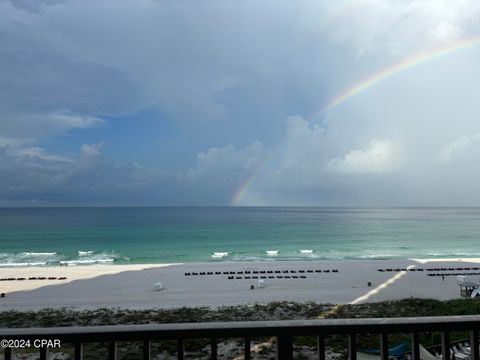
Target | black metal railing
(284,331)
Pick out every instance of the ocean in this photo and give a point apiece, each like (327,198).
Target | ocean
(83,236)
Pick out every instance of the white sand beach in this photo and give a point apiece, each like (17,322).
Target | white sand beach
(132,286)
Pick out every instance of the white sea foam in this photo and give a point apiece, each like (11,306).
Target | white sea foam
(37,254)
(85,253)
(89,258)
(219,254)
(306,251)
(28,259)
(86,262)
(24,264)
(272,252)
(252,258)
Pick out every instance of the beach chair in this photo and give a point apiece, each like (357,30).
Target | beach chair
(464,349)
(158,286)
(457,354)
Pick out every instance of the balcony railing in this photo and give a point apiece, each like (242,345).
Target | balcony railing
(284,331)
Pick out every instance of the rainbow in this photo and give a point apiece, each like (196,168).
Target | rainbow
(243,188)
(247,183)
(359,87)
(405,64)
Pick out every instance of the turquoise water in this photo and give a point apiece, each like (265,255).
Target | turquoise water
(40,236)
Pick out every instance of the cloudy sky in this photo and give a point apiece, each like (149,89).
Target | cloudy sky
(150,102)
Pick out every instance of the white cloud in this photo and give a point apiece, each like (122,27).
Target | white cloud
(24,127)
(463,148)
(226,166)
(91,150)
(393,26)
(32,171)
(305,144)
(378,158)
(221,63)
(40,154)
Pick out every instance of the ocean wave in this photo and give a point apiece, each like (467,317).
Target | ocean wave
(272,252)
(91,258)
(240,258)
(217,255)
(37,254)
(14,264)
(86,262)
(28,258)
(85,253)
(306,252)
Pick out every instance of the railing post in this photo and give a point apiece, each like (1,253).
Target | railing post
(352,347)
(246,349)
(384,346)
(474,345)
(7,354)
(214,348)
(445,336)
(415,347)
(112,351)
(43,353)
(284,348)
(321,347)
(146,349)
(78,351)
(180,353)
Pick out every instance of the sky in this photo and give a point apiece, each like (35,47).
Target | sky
(244,103)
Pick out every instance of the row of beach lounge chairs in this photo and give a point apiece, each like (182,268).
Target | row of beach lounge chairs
(430,269)
(454,274)
(268,277)
(34,278)
(248,272)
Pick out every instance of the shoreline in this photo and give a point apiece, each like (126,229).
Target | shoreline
(228,283)
(266,260)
